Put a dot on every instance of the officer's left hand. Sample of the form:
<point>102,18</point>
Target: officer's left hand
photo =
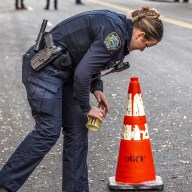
<point>101,99</point>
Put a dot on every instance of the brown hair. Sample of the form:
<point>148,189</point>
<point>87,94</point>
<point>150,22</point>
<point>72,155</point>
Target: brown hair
<point>148,21</point>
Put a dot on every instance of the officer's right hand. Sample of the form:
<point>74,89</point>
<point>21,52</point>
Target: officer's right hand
<point>97,112</point>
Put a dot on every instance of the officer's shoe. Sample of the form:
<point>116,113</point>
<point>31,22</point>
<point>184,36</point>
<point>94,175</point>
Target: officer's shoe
<point>3,190</point>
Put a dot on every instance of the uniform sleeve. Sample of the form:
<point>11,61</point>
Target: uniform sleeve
<point>106,45</point>
<point>97,83</point>
<point>93,61</point>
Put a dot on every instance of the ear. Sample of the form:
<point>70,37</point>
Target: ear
<point>141,34</point>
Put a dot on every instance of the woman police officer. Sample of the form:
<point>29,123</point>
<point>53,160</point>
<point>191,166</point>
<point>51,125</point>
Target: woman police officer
<point>96,40</point>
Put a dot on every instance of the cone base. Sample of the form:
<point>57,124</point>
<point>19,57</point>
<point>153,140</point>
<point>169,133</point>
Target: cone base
<point>151,185</point>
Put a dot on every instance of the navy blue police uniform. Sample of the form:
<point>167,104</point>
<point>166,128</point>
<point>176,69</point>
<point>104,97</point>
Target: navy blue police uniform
<point>96,40</point>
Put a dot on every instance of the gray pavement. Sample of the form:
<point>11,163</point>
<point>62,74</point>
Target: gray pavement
<point>165,74</point>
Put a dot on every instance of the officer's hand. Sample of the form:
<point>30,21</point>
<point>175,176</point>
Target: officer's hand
<point>97,112</point>
<point>101,99</point>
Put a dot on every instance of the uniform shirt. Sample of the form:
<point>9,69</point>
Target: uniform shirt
<point>96,40</point>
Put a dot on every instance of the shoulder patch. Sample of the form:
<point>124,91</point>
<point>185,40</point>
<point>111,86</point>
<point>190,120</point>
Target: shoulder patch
<point>113,41</point>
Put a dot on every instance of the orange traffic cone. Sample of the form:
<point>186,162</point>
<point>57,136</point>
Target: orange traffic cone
<point>135,166</point>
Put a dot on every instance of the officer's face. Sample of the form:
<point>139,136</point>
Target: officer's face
<point>138,41</point>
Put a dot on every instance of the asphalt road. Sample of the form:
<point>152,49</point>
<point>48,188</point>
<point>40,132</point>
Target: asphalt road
<point>165,75</point>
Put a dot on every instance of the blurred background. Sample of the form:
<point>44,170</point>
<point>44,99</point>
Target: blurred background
<point>165,75</point>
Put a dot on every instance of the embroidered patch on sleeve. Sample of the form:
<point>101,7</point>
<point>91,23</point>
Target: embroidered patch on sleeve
<point>112,41</point>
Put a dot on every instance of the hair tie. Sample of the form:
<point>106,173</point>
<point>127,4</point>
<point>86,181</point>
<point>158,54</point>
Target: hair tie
<point>145,12</point>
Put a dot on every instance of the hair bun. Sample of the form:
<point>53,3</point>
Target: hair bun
<point>145,12</point>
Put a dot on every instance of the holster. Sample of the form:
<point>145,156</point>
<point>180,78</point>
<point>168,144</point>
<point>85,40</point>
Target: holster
<point>56,55</point>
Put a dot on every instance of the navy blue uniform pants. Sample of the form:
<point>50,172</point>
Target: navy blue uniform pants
<point>50,96</point>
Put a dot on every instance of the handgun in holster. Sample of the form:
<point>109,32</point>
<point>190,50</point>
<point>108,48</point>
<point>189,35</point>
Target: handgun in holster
<point>58,55</point>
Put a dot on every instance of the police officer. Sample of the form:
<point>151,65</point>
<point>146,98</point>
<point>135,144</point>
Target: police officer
<point>96,40</point>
